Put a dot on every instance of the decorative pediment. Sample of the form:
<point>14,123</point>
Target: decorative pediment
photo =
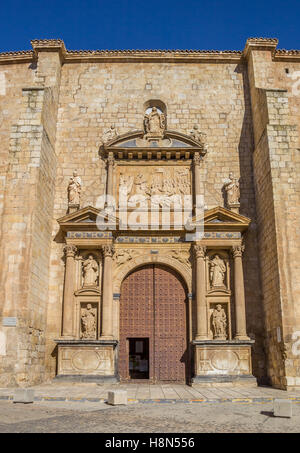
<point>86,219</point>
<point>173,145</point>
<point>222,219</point>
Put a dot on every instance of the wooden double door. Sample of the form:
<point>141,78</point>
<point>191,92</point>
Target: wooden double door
<point>153,326</point>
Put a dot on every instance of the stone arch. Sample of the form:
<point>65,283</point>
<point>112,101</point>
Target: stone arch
<point>184,271</point>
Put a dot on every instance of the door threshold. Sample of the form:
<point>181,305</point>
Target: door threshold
<point>150,382</point>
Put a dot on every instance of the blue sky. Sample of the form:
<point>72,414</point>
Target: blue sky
<point>151,24</point>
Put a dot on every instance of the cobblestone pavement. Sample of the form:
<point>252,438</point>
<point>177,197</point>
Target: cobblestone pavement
<point>152,393</point>
<point>71,417</point>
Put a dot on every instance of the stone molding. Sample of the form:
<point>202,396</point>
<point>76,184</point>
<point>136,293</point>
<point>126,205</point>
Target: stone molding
<point>167,55</point>
<point>49,45</point>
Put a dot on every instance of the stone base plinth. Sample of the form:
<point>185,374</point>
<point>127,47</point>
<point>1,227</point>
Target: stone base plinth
<point>86,360</point>
<point>117,397</point>
<point>73,208</point>
<point>222,363</point>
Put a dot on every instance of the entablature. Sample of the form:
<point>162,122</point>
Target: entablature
<point>171,146</point>
<point>217,227</point>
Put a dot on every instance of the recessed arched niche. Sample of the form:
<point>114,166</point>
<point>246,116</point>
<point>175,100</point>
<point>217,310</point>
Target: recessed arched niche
<point>158,104</point>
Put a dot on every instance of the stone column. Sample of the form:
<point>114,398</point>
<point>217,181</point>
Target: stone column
<point>116,320</point>
<point>201,293</point>
<point>68,307</point>
<point>107,294</point>
<point>239,293</point>
<point>110,174</point>
<point>197,178</point>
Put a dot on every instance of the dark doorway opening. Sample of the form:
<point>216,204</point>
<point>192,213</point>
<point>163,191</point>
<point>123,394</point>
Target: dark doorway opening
<point>138,358</point>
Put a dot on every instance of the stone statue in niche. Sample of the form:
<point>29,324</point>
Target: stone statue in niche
<point>217,271</point>
<point>154,124</point>
<point>74,189</point>
<point>197,135</point>
<point>88,322</point>
<point>232,189</point>
<point>109,134</point>
<point>90,271</point>
<point>219,322</point>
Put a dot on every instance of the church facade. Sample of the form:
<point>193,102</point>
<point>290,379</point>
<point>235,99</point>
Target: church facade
<point>150,212</point>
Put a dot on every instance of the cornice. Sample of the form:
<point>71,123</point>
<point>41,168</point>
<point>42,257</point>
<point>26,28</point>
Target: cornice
<point>152,55</point>
<point>22,56</point>
<point>269,44</point>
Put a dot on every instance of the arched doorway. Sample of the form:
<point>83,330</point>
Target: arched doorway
<point>153,326</point>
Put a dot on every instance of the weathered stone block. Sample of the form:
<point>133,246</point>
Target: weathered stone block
<point>282,408</point>
<point>23,396</point>
<point>117,397</point>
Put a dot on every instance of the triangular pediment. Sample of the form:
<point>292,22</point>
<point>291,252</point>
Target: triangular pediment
<point>86,218</point>
<point>222,219</point>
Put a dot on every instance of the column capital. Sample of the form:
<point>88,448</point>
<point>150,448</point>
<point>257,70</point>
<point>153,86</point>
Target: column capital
<point>108,250</point>
<point>200,251</point>
<point>70,250</point>
<point>197,159</point>
<point>237,250</point>
<point>110,160</point>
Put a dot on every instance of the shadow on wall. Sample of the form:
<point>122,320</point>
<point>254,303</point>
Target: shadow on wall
<point>253,292</point>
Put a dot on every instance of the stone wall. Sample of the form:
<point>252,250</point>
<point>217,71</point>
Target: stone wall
<point>276,165</point>
<point>26,231</point>
<point>216,97</point>
<point>55,126</point>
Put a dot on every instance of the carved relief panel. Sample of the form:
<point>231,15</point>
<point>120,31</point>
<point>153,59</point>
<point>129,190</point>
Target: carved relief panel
<point>85,360</point>
<point>160,182</point>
